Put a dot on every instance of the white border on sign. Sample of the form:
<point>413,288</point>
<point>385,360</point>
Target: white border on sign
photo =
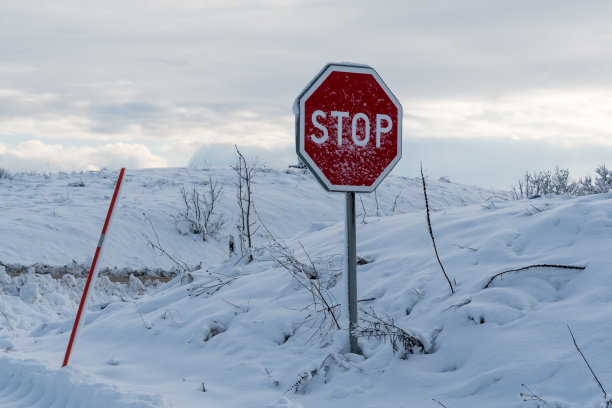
<point>358,69</point>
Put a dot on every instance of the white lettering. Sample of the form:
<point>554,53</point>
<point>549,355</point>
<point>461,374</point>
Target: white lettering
<point>384,124</point>
<point>366,136</point>
<point>340,115</point>
<point>379,129</point>
<point>316,124</point>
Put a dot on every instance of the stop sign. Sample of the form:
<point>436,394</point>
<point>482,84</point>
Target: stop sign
<point>348,128</point>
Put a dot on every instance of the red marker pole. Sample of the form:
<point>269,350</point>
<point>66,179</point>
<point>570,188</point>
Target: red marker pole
<point>93,272</point>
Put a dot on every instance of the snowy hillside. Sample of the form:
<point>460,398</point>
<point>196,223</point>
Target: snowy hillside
<point>57,219</point>
<point>237,334</point>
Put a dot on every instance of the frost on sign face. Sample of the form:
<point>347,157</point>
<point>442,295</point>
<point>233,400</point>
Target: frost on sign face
<point>350,128</point>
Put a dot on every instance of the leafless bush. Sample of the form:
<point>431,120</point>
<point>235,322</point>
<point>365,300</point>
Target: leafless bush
<point>558,181</point>
<point>325,309</point>
<point>245,172</point>
<point>384,328</point>
<point>199,213</point>
<point>603,179</point>
<point>4,173</point>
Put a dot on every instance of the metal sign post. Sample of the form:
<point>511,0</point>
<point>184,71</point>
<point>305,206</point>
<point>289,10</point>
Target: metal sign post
<point>350,253</point>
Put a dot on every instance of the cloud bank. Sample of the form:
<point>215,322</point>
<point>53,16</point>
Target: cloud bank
<point>168,78</point>
<point>35,155</point>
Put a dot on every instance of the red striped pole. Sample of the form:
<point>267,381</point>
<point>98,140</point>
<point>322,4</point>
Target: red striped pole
<point>93,272</point>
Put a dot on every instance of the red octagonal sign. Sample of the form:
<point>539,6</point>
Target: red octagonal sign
<point>348,128</point>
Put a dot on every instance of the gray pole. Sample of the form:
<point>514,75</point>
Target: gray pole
<point>350,252</point>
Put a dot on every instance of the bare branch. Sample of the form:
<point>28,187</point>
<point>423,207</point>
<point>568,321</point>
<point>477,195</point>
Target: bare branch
<point>180,264</point>
<point>431,232</point>
<point>376,199</point>
<point>363,219</point>
<point>530,395</point>
<point>530,267</point>
<point>439,403</point>
<point>608,402</point>
<point>310,278</point>
<point>394,207</point>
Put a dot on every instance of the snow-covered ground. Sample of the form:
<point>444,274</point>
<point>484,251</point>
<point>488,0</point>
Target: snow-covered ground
<point>237,334</point>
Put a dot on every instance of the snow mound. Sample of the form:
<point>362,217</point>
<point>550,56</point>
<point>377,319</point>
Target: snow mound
<point>29,384</point>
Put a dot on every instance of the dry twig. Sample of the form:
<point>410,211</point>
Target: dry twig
<point>607,401</point>
<point>158,246</point>
<point>318,283</point>
<point>431,231</point>
<point>530,267</point>
<point>402,342</point>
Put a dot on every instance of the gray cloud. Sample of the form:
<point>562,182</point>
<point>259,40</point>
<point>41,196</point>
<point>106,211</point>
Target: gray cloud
<point>177,75</point>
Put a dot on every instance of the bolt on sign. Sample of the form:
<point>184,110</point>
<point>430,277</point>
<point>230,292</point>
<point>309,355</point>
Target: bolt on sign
<point>348,128</point>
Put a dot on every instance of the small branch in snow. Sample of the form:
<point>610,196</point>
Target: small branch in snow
<point>530,395</point>
<point>169,313</point>
<point>533,266</point>
<point>305,377</point>
<point>376,200</point>
<point>180,264</point>
<point>146,324</point>
<point>384,328</point>
<point>394,206</point>
<point>275,381</point>
<point>419,294</point>
<point>439,403</point>
<point>530,212</point>
<point>363,219</point>
<point>468,248</point>
<point>3,313</point>
<point>458,305</point>
<point>318,282</point>
<point>607,401</point>
<point>213,285</point>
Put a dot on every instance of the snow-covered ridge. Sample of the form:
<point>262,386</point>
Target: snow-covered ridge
<point>56,219</point>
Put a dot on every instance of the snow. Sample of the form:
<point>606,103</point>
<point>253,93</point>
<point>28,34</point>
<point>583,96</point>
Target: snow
<point>237,334</point>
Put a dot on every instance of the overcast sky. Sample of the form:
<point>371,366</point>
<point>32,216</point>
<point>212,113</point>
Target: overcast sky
<point>490,89</point>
